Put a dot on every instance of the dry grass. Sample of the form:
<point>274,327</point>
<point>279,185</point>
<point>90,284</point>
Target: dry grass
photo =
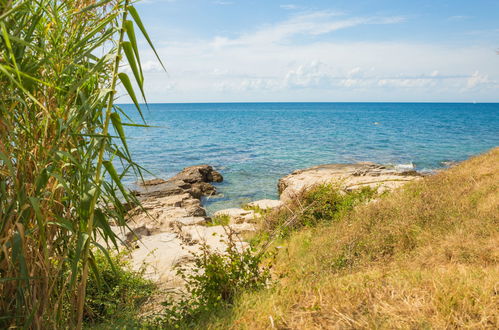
<point>425,256</point>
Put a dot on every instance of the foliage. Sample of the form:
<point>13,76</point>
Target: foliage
<point>117,293</point>
<point>328,203</point>
<point>423,256</point>
<point>320,204</point>
<point>59,71</point>
<point>213,282</point>
<point>219,220</point>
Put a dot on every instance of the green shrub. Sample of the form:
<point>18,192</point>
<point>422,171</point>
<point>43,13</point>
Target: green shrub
<point>322,203</point>
<point>327,202</point>
<point>117,292</point>
<point>213,283</point>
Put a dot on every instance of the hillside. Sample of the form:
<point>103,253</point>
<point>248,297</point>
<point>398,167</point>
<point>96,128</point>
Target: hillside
<point>423,256</point>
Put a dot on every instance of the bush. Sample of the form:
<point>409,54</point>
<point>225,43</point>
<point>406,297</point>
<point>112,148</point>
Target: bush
<point>213,283</point>
<point>327,202</point>
<point>117,292</point>
<point>322,203</point>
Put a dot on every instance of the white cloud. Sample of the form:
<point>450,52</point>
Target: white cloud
<point>311,24</point>
<point>266,64</point>
<point>477,79</point>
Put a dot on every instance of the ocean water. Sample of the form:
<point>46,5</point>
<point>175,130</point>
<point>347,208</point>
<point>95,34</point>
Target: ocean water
<point>254,144</point>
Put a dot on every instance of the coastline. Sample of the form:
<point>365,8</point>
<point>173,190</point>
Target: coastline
<point>172,223</point>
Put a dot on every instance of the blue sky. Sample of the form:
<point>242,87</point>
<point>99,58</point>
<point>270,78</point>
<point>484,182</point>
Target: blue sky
<point>378,50</point>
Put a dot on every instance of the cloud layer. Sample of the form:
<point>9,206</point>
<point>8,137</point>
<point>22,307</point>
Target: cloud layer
<point>298,59</point>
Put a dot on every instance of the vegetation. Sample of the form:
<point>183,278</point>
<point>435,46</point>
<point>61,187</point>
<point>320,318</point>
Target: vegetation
<point>59,70</point>
<point>424,256</point>
<point>117,292</point>
<point>219,220</point>
<point>212,284</point>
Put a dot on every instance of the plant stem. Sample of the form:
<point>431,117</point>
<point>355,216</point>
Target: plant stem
<point>98,177</point>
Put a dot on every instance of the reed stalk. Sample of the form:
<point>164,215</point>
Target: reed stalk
<point>60,135</point>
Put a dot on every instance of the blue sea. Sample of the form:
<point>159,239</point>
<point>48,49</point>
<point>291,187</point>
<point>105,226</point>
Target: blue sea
<point>254,144</point>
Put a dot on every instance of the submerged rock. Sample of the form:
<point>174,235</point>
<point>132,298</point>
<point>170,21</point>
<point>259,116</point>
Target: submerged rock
<point>346,176</point>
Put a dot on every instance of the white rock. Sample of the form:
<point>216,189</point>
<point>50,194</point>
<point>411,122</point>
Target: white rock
<point>238,215</point>
<point>346,176</point>
<point>266,204</point>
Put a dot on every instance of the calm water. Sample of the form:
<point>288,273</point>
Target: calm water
<point>254,144</point>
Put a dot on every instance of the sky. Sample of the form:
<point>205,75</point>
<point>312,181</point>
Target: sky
<point>321,51</point>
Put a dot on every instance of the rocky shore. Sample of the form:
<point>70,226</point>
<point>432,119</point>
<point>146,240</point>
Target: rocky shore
<point>172,223</point>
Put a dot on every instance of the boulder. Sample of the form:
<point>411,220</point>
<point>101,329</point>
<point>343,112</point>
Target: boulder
<point>194,180</point>
<point>266,204</point>
<point>346,176</point>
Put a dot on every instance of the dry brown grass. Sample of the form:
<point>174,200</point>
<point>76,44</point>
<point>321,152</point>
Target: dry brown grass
<point>425,256</point>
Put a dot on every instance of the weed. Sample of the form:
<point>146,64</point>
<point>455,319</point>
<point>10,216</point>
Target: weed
<point>213,282</point>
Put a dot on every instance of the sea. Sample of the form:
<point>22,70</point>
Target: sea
<point>255,144</point>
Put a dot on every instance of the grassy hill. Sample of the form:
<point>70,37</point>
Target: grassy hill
<point>424,256</point>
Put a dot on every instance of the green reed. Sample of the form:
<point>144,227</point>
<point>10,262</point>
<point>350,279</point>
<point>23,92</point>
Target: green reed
<point>60,66</point>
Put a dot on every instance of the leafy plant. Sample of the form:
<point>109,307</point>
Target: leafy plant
<point>60,134</point>
<point>327,202</point>
<point>213,282</point>
<point>117,292</point>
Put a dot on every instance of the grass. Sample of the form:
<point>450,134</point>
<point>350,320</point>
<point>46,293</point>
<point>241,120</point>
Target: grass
<point>424,256</point>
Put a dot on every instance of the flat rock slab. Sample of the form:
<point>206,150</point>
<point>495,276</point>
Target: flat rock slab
<point>266,204</point>
<point>346,176</point>
<point>238,215</point>
<point>158,254</point>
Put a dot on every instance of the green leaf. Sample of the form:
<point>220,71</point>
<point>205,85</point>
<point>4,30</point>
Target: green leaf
<point>116,120</point>
<point>130,56</point>
<point>138,21</point>
<point>133,41</point>
<point>125,80</point>
<point>114,176</point>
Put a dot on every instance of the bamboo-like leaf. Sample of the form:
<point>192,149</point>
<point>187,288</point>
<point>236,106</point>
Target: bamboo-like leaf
<point>133,41</point>
<point>114,176</point>
<point>138,21</point>
<point>130,56</point>
<point>116,120</point>
<point>6,39</point>
<point>125,80</point>
<point>104,225</point>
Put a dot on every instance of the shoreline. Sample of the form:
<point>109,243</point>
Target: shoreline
<point>174,224</point>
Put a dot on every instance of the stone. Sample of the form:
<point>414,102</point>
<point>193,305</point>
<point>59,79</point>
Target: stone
<point>190,221</point>
<point>194,180</point>
<point>238,215</point>
<point>346,176</point>
<point>266,204</point>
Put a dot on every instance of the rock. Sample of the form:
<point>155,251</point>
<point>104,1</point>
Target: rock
<point>137,233</point>
<point>190,221</point>
<point>194,180</point>
<point>346,176</point>
<point>167,228</point>
<point>199,173</point>
<point>158,254</point>
<point>266,204</point>
<point>152,182</point>
<point>238,215</point>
